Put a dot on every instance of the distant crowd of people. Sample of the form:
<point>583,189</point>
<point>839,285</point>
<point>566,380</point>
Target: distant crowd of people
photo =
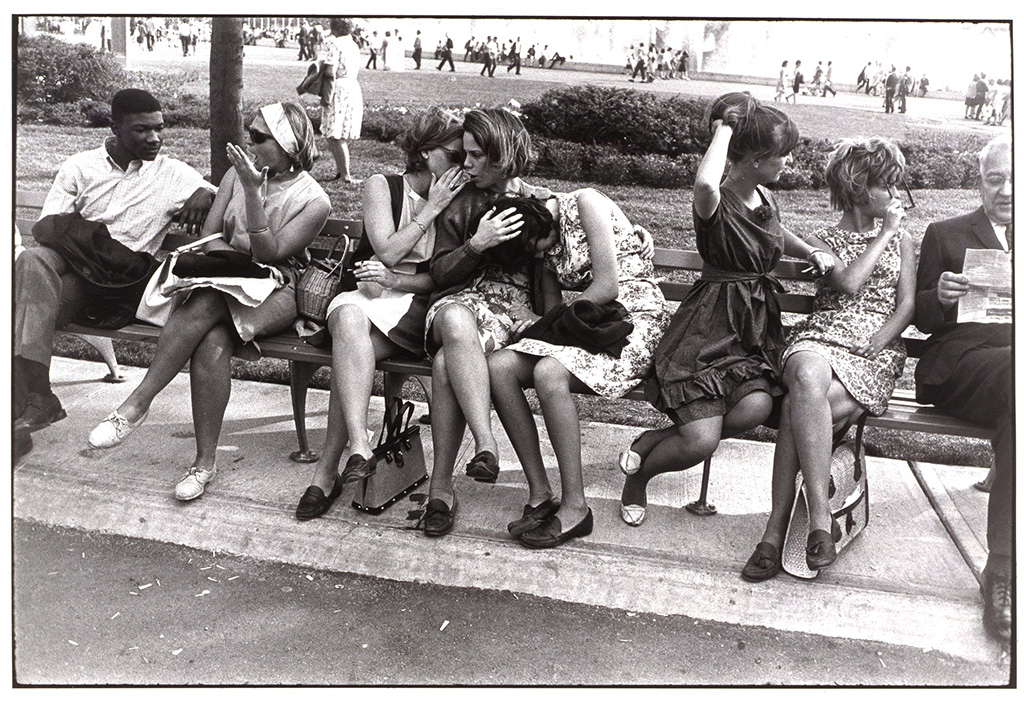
<point>988,99</point>
<point>651,62</point>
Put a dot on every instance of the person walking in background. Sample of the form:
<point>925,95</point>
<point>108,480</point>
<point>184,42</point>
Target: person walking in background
<point>542,59</point>
<point>966,369</point>
<point>864,78</point>
<point>343,113</point>
<point>684,68</point>
<point>891,81</point>
<point>904,89</point>
<point>970,96</point>
<point>815,85</point>
<point>878,80</point>
<point>798,80</point>
<point>446,53</point>
<point>513,56</point>
<point>374,45</point>
<point>470,46</point>
<point>305,52</point>
<point>922,86</point>
<point>717,369</point>
<point>826,86</point>
<point>184,35</point>
<point>488,58</point>
<point>783,85</point>
<point>639,64</point>
<point>846,356</point>
<point>383,53</point>
<point>980,97</point>
<point>417,50</point>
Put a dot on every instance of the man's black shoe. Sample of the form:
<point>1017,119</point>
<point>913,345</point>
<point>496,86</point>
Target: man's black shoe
<point>40,411</point>
<point>995,590</point>
<point>22,443</point>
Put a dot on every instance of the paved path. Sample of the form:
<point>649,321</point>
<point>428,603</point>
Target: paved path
<point>903,582</point>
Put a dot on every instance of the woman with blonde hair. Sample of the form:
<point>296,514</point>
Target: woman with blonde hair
<point>846,356</point>
<point>268,208</point>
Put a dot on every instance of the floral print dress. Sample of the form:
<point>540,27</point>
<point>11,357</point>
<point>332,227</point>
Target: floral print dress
<point>840,322</point>
<point>638,293</point>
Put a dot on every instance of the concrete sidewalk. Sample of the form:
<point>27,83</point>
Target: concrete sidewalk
<point>903,581</point>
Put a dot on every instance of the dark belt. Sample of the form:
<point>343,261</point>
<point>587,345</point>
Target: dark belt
<point>769,282</point>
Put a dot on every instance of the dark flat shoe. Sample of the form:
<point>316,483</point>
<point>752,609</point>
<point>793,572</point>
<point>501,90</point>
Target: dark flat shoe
<point>763,564</point>
<point>483,467</point>
<point>357,468</point>
<point>533,516</point>
<point>438,518</point>
<point>549,533</point>
<point>998,614</point>
<point>314,503</point>
<point>40,411</point>
<point>821,547</point>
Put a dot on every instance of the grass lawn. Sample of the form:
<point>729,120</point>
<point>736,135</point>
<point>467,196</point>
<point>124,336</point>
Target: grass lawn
<point>666,213</point>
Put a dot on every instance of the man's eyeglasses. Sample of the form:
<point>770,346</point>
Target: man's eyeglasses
<point>258,137</point>
<point>454,155</point>
<point>901,189</point>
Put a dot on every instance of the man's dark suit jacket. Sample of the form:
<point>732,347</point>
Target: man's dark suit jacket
<point>943,250</point>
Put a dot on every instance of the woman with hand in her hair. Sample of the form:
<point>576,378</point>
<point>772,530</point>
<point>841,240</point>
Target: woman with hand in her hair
<point>716,370</point>
<point>846,356</point>
<point>269,207</point>
<point>590,246</point>
<point>385,315</point>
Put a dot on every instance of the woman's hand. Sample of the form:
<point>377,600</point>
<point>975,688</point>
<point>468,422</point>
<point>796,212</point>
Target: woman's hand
<point>522,318</point>
<point>495,228</point>
<point>869,349</point>
<point>821,263</point>
<point>248,176</point>
<point>445,188</point>
<point>371,271</point>
<point>894,214</point>
<point>646,242</point>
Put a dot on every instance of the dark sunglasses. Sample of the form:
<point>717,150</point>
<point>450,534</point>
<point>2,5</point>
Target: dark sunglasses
<point>902,188</point>
<point>454,155</point>
<point>258,137</point>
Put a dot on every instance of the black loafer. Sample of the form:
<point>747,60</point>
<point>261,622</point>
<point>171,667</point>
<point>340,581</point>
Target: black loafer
<point>357,468</point>
<point>763,564</point>
<point>549,533</point>
<point>483,467</point>
<point>821,547</point>
<point>314,503</point>
<point>438,518</point>
<point>533,516</point>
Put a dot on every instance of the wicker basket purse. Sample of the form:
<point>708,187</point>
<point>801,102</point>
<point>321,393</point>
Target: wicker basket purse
<point>320,282</point>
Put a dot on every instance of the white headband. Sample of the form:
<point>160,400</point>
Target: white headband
<point>280,128</point>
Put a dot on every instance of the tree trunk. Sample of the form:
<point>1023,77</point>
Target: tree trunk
<point>225,92</point>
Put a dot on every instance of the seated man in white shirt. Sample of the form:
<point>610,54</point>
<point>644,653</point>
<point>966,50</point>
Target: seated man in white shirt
<point>124,185</point>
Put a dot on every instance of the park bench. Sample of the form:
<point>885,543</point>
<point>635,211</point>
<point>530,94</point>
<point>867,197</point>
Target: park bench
<point>904,413</point>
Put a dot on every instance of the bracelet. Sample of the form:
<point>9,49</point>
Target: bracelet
<point>261,230</point>
<point>423,227</point>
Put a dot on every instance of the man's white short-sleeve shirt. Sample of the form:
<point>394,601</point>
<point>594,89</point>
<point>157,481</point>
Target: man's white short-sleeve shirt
<point>136,204</point>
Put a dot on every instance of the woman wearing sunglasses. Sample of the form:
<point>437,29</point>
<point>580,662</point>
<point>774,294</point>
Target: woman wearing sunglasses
<point>385,314</point>
<point>269,207</point>
<point>846,356</point>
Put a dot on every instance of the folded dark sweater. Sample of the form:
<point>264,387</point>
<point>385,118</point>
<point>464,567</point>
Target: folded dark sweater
<point>590,326</point>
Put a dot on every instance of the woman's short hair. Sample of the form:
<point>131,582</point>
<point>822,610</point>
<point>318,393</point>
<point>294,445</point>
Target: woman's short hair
<point>304,137</point>
<point>537,223</point>
<point>341,26</point>
<point>855,164</point>
<point>503,138</point>
<point>758,130</point>
<point>432,128</point>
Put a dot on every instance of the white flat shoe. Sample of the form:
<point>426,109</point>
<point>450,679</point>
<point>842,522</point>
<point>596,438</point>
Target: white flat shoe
<point>633,515</point>
<point>113,430</point>
<point>629,462</point>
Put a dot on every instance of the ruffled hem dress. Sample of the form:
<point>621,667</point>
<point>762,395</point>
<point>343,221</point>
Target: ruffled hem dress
<point>638,292</point>
<point>726,338</point>
<point>839,322</point>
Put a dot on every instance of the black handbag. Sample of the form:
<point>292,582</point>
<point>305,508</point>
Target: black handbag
<point>398,460</point>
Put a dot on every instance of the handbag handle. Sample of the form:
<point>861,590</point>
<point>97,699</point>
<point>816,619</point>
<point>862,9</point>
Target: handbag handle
<point>344,252</point>
<point>393,414</point>
<point>199,242</point>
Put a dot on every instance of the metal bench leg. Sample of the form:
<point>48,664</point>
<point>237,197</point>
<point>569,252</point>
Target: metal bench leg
<point>301,374</point>
<point>393,383</point>
<point>701,506</point>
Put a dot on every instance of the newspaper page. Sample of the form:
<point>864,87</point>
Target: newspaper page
<point>990,298</point>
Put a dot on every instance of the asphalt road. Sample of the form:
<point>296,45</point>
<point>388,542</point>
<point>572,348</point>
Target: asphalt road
<point>94,609</point>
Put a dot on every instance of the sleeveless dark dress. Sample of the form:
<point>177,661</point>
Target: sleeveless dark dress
<point>725,340</point>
